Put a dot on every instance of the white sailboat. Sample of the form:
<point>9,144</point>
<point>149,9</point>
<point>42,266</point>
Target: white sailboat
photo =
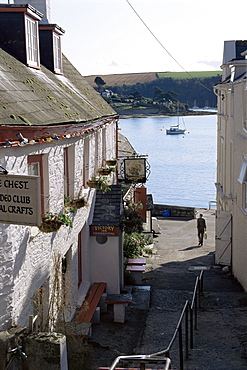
<point>175,129</point>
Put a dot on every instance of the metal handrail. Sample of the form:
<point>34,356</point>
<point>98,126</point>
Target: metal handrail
<point>142,360</point>
<point>155,358</point>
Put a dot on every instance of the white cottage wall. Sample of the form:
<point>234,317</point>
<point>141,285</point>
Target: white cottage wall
<point>105,263</point>
<point>26,254</point>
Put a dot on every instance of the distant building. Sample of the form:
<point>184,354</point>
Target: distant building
<point>107,93</point>
<point>231,216</point>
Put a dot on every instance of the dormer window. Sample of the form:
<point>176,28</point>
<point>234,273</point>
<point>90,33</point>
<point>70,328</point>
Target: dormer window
<point>19,32</point>
<point>57,53</point>
<point>50,47</point>
<point>32,42</point>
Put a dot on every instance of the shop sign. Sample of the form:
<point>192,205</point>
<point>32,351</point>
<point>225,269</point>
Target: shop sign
<point>135,170</point>
<point>20,199</point>
<point>104,230</point>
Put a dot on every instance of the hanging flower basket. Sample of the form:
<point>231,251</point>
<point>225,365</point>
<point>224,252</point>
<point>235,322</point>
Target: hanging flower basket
<point>95,184</point>
<point>50,226</point>
<point>104,171</point>
<point>52,222</point>
<point>111,162</point>
<point>99,183</point>
<point>77,203</point>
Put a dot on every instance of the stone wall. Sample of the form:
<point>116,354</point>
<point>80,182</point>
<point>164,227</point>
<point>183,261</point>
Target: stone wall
<point>169,211</point>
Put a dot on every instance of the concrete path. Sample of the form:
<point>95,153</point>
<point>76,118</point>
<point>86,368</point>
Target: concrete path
<point>221,339</point>
<point>220,343</point>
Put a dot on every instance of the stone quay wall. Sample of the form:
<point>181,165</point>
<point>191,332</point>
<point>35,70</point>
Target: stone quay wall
<point>163,210</point>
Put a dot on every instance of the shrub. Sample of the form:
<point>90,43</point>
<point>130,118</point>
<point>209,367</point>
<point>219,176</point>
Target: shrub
<point>131,220</point>
<point>134,244</point>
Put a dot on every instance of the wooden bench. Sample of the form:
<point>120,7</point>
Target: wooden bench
<point>90,303</point>
<point>137,261</point>
<point>138,268</point>
<point>119,302</point>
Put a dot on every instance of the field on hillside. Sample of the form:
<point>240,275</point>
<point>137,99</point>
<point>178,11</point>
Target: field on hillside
<point>183,75</point>
<point>134,78</point>
<point>123,79</point>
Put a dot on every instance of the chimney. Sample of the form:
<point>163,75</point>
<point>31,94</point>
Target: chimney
<point>44,6</point>
<point>233,55</point>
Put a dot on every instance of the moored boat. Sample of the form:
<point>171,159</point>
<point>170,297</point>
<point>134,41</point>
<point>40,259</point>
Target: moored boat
<point>175,130</point>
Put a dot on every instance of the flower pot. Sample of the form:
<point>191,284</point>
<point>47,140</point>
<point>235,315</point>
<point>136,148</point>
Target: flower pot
<point>104,171</point>
<point>111,162</point>
<point>77,203</point>
<point>94,184</point>
<point>50,226</point>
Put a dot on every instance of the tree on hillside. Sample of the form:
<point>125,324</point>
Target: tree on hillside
<point>99,82</point>
<point>160,95</point>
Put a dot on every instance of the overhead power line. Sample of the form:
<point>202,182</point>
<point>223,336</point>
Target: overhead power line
<point>163,47</point>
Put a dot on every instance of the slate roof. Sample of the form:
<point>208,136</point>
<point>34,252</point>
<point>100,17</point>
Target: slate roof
<point>35,97</point>
<point>108,207</point>
<point>125,148</point>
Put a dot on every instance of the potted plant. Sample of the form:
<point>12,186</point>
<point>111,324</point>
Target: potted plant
<point>105,171</point>
<point>51,222</point>
<point>111,162</point>
<point>98,182</point>
<point>75,203</point>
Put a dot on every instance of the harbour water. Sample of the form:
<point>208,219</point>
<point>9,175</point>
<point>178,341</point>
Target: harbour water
<point>183,167</point>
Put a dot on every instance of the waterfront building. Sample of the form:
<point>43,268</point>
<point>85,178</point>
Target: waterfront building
<point>231,216</point>
<point>59,130</point>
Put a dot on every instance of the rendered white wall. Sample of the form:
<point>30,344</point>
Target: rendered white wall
<point>26,254</point>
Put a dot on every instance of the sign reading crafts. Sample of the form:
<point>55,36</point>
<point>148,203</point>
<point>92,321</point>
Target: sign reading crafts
<point>19,200</point>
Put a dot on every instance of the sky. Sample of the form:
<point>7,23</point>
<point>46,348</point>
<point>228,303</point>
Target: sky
<point>107,37</point>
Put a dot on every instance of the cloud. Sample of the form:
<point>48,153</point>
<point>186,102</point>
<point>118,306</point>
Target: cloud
<point>114,64</point>
<point>213,63</point>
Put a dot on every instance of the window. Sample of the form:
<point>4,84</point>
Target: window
<point>37,166</point>
<point>245,194</point>
<point>66,172</point>
<point>243,181</point>
<point>69,172</point>
<point>32,42</point>
<point>79,260</point>
<point>57,53</point>
<point>85,161</point>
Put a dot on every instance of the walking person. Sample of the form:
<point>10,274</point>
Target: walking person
<point>201,227</point>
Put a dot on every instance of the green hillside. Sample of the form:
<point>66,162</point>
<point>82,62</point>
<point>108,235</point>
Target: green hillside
<point>186,75</point>
<point>191,88</point>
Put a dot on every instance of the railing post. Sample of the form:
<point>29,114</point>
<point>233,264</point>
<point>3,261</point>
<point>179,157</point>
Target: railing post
<point>180,332</point>
<point>196,298</point>
<point>187,331</point>
<point>191,329</point>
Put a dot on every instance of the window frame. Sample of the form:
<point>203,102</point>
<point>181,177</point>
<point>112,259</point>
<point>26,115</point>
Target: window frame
<point>32,42</point>
<point>57,53</point>
<point>79,268</point>
<point>243,181</point>
<point>245,195</point>
<point>69,170</point>
<point>41,159</point>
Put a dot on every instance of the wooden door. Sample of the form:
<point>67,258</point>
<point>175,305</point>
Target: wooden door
<point>223,238</point>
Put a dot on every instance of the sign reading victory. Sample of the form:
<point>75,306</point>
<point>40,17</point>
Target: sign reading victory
<point>20,200</point>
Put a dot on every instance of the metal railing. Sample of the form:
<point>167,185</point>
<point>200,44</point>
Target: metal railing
<point>163,357</point>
